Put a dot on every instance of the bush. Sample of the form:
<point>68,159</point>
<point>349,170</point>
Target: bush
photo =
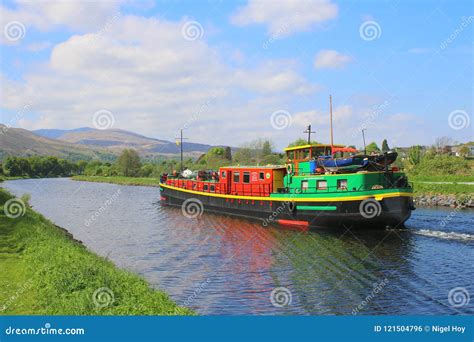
<point>437,165</point>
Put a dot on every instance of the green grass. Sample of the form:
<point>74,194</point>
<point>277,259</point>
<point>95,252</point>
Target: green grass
<point>443,189</point>
<point>13,178</point>
<point>120,180</point>
<point>445,178</point>
<point>45,272</point>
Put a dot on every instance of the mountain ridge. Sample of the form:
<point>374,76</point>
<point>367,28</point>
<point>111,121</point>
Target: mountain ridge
<point>89,142</point>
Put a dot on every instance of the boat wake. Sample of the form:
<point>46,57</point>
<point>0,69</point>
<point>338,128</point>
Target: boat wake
<point>444,235</point>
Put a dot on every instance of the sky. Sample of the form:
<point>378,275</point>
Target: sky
<point>228,72</point>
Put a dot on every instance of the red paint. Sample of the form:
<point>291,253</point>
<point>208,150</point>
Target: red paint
<point>294,223</point>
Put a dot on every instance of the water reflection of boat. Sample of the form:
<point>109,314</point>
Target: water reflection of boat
<point>332,273</point>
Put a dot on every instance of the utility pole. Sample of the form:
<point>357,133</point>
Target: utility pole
<point>308,130</point>
<point>181,148</point>
<point>330,111</point>
<point>363,137</point>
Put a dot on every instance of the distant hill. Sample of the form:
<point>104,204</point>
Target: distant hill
<point>56,133</point>
<point>21,142</point>
<point>115,140</point>
<point>87,143</point>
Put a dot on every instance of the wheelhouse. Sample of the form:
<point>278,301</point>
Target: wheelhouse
<point>308,152</point>
<point>302,158</point>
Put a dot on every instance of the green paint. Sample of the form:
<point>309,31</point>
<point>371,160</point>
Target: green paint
<point>315,207</point>
<point>363,183</point>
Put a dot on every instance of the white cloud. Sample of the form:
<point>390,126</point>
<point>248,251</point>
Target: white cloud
<point>285,17</point>
<point>331,59</point>
<point>274,78</point>
<point>76,15</point>
<point>154,82</point>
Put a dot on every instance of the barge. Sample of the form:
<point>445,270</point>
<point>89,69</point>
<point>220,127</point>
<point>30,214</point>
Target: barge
<point>305,192</point>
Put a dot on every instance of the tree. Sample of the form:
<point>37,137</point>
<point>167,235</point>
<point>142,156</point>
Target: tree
<point>385,147</point>
<point>266,148</point>
<point>228,153</point>
<point>442,144</point>
<point>243,155</point>
<point>129,163</point>
<point>81,166</point>
<point>146,170</point>
<point>414,155</point>
<point>12,167</point>
<point>372,147</point>
<point>464,151</point>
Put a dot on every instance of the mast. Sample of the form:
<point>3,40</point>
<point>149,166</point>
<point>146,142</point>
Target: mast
<point>181,151</point>
<point>180,143</point>
<point>330,111</point>
<point>363,137</point>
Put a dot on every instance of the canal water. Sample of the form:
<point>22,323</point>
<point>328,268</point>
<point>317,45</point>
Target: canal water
<point>220,265</point>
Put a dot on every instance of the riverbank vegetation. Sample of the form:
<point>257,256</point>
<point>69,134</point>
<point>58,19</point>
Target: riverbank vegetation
<point>145,181</point>
<point>422,164</point>
<point>39,167</point>
<point>45,272</point>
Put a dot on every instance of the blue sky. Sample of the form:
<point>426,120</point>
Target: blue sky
<point>243,70</point>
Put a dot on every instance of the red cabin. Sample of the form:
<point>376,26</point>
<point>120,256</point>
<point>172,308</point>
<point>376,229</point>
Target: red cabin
<point>237,180</point>
<point>251,180</point>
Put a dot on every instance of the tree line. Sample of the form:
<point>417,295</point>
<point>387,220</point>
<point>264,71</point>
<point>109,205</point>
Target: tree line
<point>258,152</point>
<point>39,167</point>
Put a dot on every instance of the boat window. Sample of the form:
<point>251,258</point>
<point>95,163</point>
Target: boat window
<point>213,188</point>
<point>304,185</point>
<point>246,177</point>
<point>236,177</point>
<point>322,185</point>
<point>262,176</point>
<point>305,154</point>
<point>342,184</point>
<point>224,174</point>
<point>206,187</point>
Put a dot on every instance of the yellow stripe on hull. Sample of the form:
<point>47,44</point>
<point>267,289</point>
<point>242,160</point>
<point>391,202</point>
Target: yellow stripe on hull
<point>281,199</point>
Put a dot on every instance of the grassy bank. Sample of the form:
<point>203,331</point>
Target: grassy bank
<point>443,189</point>
<point>44,271</point>
<point>446,178</point>
<point>119,180</point>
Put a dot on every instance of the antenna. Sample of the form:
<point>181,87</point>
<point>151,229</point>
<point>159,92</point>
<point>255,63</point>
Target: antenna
<point>363,137</point>
<point>180,143</point>
<point>308,130</point>
<point>330,111</point>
